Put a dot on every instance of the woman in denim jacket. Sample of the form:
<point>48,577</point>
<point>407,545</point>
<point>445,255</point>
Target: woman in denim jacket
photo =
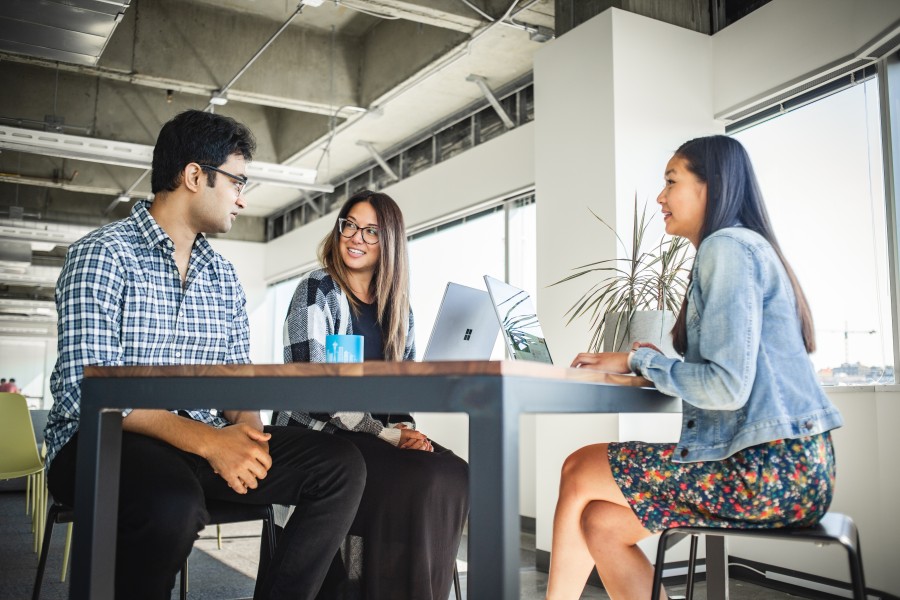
<point>755,449</point>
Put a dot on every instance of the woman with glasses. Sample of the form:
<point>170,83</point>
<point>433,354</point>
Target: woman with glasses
<point>403,542</point>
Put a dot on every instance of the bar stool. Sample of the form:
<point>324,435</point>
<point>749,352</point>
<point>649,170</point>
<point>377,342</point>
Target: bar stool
<point>220,512</point>
<point>834,528</point>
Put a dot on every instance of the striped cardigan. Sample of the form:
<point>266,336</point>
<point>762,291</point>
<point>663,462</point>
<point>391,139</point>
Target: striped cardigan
<point>320,308</point>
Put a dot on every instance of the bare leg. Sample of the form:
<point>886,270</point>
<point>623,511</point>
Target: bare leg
<point>593,524</point>
<point>612,532</point>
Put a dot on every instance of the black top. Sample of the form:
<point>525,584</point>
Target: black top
<point>366,324</point>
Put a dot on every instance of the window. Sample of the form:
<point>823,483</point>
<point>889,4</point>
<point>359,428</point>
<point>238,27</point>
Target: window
<point>358,183</point>
<point>380,178</point>
<point>418,158</point>
<point>820,169</point>
<point>490,123</point>
<point>446,254</point>
<point>280,295</point>
<point>455,139</point>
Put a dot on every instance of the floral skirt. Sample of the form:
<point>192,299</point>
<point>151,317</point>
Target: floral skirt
<point>776,484</point>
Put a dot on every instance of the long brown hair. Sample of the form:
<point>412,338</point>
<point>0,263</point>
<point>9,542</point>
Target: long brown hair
<point>390,281</point>
<point>733,197</point>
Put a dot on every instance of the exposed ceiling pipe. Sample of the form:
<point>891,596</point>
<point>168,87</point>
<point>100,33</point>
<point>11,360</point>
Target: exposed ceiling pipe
<point>220,96</point>
<point>449,59</point>
<point>183,87</point>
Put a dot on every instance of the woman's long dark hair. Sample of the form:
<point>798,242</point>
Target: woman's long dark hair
<point>733,197</point>
<point>390,282</point>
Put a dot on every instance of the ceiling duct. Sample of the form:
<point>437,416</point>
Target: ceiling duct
<point>70,31</point>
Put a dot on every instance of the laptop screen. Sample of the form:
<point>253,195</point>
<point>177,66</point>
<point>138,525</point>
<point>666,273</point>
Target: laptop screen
<point>466,326</point>
<point>518,321</point>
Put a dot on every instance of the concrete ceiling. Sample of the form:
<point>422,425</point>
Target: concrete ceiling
<point>102,77</point>
<point>89,83</point>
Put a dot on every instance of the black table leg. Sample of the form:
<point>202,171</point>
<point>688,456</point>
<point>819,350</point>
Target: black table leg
<point>96,505</point>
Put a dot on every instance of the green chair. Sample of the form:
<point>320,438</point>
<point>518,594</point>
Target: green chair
<point>19,455</point>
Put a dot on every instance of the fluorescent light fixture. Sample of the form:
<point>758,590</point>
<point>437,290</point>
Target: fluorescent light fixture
<point>139,156</point>
<point>218,99</point>
<point>313,3</point>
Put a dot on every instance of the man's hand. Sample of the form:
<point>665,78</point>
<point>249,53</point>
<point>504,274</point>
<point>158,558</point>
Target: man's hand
<point>249,417</point>
<point>240,455</point>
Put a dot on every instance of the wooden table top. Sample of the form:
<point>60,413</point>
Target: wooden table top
<point>374,369</point>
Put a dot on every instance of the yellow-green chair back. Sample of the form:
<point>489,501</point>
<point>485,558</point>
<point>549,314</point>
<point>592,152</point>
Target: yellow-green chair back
<point>18,450</point>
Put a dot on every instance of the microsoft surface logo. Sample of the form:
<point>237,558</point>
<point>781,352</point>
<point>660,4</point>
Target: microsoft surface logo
<point>468,335</point>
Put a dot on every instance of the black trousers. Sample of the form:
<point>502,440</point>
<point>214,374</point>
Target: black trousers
<point>162,508</point>
<point>403,542</point>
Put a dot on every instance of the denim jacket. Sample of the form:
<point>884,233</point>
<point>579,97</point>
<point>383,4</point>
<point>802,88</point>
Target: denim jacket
<point>746,378</point>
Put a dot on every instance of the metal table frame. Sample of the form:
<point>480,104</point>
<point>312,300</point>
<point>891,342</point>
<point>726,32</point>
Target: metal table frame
<point>492,394</point>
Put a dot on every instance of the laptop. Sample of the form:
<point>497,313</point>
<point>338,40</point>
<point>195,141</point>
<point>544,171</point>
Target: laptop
<point>518,320</point>
<point>465,328</point>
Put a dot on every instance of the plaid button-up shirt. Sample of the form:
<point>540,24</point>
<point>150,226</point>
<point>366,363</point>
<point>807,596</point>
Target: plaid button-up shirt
<point>121,302</point>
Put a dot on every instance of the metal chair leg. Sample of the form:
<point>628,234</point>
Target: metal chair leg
<point>184,580</point>
<point>42,561</point>
<point>67,551</point>
<point>692,569</point>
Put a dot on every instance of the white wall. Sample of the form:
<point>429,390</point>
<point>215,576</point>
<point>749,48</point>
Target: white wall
<point>249,262</point>
<point>787,42</point>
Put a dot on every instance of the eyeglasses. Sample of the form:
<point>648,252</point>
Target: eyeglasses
<point>239,180</point>
<point>348,229</point>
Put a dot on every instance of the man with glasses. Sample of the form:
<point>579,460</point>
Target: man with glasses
<point>150,290</point>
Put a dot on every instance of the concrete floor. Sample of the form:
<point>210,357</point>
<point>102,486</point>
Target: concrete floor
<point>229,573</point>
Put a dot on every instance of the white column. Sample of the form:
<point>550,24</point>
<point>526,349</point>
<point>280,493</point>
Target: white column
<point>613,98</point>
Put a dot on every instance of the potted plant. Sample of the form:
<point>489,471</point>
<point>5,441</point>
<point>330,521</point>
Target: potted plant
<point>638,295</point>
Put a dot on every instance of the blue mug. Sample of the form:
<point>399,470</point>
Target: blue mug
<point>343,348</point>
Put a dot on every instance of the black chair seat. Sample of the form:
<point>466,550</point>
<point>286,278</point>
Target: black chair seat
<point>220,513</point>
<point>834,528</point>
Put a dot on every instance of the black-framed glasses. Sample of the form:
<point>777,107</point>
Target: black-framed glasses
<point>239,181</point>
<point>348,229</point>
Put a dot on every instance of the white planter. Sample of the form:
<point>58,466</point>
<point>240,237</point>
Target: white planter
<point>654,326</point>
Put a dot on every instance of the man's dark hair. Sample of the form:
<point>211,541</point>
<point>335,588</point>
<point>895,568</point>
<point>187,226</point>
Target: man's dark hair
<point>200,137</point>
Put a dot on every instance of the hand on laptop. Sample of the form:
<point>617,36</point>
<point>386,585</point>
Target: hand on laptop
<point>609,362</point>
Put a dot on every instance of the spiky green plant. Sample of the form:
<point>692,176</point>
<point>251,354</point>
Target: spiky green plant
<point>641,280</point>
